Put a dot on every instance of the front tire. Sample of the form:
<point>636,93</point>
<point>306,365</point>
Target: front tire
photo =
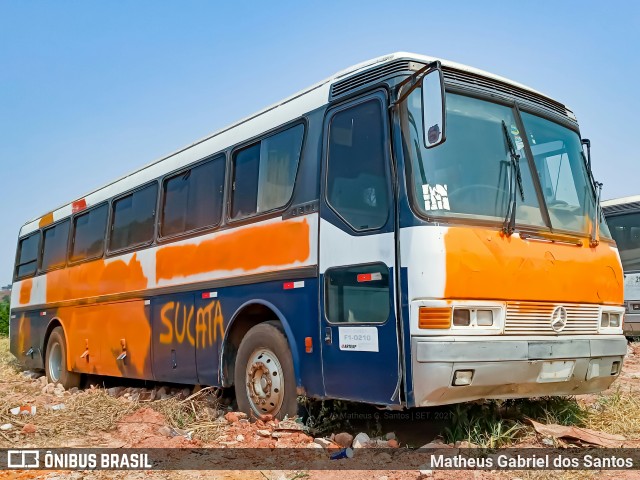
<point>263,376</point>
<point>55,364</point>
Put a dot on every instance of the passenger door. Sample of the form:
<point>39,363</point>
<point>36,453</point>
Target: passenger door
<point>359,336</point>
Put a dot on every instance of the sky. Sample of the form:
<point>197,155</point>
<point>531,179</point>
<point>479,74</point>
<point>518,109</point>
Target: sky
<point>90,91</point>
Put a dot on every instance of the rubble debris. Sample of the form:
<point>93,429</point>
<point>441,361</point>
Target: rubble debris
<point>390,436</point>
<point>24,410</point>
<point>6,426</point>
<point>585,435</point>
<point>29,428</point>
<point>343,439</point>
<point>361,440</point>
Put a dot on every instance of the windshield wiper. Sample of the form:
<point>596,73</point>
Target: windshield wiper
<point>509,225</point>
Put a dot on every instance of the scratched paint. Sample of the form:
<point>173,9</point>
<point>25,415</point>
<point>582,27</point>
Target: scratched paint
<point>486,264</point>
<point>179,327</point>
<point>274,244</point>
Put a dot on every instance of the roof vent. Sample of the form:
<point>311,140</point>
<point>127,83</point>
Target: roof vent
<point>369,76</point>
<point>466,78</point>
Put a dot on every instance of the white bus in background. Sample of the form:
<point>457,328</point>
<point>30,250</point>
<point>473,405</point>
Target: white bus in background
<point>623,217</point>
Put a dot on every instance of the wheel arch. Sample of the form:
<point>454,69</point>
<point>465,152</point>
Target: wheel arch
<point>249,314</point>
<point>53,323</point>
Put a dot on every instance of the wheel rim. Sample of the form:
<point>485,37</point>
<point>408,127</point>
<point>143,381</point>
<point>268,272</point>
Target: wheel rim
<point>264,382</point>
<point>55,362</point>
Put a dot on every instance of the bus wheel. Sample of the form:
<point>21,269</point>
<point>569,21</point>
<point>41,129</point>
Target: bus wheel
<point>264,379</point>
<point>55,363</point>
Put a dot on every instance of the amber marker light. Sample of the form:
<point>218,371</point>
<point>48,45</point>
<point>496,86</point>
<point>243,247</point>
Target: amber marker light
<point>308,346</point>
<point>439,317</point>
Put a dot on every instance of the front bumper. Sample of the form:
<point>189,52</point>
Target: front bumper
<point>510,367</point>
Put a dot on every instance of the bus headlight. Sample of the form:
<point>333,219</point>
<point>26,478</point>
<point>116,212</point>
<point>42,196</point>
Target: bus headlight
<point>484,318</point>
<point>461,317</point>
<point>611,321</point>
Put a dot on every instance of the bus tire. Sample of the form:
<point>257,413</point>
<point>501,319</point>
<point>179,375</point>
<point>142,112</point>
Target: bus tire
<point>55,364</point>
<point>264,377</point>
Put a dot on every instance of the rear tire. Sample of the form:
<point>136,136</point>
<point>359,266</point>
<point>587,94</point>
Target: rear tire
<point>55,365</point>
<point>263,376</point>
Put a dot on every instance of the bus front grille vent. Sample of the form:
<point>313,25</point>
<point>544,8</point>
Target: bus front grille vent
<point>534,318</point>
<point>467,78</point>
<point>369,77</point>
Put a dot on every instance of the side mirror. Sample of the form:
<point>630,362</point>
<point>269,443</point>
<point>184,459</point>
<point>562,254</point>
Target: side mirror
<point>433,108</point>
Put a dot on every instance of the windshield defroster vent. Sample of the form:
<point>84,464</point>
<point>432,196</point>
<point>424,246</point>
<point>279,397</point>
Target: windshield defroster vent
<point>369,76</point>
<point>466,78</point>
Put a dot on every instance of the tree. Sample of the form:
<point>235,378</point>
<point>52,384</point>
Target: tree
<point>4,317</point>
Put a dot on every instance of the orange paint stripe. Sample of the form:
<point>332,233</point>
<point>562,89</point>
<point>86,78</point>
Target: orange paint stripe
<point>25,291</point>
<point>95,278</point>
<point>46,220</point>
<point>486,264</point>
<point>276,244</point>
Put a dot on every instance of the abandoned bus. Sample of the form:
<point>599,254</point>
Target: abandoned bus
<point>623,218</point>
<point>408,232</point>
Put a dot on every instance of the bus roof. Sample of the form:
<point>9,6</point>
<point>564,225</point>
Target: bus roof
<point>266,119</point>
<point>621,201</point>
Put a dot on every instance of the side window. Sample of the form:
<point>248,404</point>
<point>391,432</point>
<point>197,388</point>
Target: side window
<point>133,218</point>
<point>357,294</point>
<point>28,248</point>
<point>264,173</point>
<point>193,199</point>
<point>88,234</point>
<point>54,247</point>
<point>357,186</point>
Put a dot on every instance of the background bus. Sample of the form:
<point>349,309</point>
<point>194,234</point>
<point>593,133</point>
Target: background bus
<point>405,233</point>
<point>623,218</point>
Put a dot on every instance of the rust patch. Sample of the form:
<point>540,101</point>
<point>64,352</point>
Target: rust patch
<point>485,264</point>
<point>250,248</point>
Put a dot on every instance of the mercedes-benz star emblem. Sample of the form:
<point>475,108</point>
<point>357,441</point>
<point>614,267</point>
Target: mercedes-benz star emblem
<point>559,319</point>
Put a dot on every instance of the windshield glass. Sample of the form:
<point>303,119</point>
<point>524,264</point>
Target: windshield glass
<point>469,174</point>
<point>567,190</point>
<point>626,232</point>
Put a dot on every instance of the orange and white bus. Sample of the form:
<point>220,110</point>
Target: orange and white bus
<point>408,232</point>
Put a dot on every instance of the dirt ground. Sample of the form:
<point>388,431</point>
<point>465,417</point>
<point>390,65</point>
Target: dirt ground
<point>119,414</point>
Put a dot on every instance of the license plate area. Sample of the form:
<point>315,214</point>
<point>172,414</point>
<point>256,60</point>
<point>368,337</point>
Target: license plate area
<point>557,371</point>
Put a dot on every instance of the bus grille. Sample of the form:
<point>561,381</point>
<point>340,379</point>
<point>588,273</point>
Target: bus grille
<point>526,318</point>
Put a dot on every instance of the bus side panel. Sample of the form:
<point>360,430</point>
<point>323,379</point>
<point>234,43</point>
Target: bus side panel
<point>96,335</point>
<point>27,335</point>
<point>298,308</point>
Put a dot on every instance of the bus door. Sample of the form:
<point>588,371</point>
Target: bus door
<point>174,338</point>
<point>358,326</point>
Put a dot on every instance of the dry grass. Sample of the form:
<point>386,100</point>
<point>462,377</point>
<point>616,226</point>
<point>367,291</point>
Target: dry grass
<point>197,414</point>
<point>617,413</point>
<point>91,411</point>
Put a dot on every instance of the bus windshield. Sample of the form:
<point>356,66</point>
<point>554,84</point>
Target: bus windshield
<point>469,175</point>
<point>625,230</point>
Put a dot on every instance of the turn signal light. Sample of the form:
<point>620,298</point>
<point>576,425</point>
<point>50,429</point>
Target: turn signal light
<point>434,317</point>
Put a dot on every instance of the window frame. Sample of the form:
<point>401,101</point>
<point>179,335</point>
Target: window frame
<point>325,300</point>
<point>381,97</point>
<point>42,270</point>
<point>16,265</point>
<point>162,195</point>
<point>230,173</point>
<point>138,246</point>
<point>72,235</point>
